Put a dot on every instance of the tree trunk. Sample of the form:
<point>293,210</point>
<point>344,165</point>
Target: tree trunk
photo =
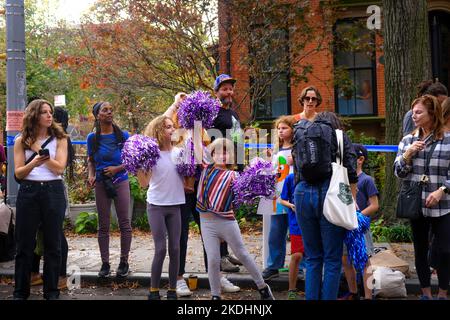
<point>407,63</point>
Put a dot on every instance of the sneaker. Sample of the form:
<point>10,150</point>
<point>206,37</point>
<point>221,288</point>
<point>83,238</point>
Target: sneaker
<point>153,295</point>
<point>269,273</point>
<point>292,295</point>
<point>123,269</point>
<point>172,295</point>
<point>266,293</point>
<point>227,266</point>
<point>423,297</point>
<point>182,289</point>
<point>301,275</point>
<point>36,279</point>
<point>216,298</point>
<point>234,260</point>
<point>105,270</point>
<point>350,296</point>
<point>227,286</point>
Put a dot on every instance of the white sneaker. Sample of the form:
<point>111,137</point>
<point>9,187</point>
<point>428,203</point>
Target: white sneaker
<point>182,289</point>
<point>227,286</point>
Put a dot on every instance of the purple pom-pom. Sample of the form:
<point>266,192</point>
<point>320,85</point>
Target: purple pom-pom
<point>356,243</point>
<point>185,161</point>
<point>198,106</point>
<point>140,153</point>
<point>258,180</point>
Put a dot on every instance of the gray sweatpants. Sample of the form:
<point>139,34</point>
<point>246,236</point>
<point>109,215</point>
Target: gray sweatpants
<point>165,220</point>
<point>215,229</point>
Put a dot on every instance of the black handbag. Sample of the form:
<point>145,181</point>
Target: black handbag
<point>409,201</point>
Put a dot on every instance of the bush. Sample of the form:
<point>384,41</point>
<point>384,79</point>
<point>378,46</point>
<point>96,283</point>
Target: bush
<point>138,193</point>
<point>141,223</point>
<point>86,222</point>
<point>397,232</point>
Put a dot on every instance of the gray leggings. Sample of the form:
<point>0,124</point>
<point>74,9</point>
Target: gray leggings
<point>165,220</point>
<point>215,229</point>
<point>122,203</point>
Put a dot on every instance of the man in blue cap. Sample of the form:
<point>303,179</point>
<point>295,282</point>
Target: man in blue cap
<point>227,119</point>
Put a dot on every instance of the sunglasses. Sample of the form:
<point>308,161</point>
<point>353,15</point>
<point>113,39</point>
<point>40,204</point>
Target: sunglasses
<point>313,99</point>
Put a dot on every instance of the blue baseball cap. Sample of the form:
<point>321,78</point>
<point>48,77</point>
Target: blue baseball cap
<point>361,151</point>
<point>222,79</point>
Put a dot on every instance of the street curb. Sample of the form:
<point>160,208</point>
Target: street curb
<point>244,281</point>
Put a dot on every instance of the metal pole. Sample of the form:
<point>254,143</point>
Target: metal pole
<point>16,94</point>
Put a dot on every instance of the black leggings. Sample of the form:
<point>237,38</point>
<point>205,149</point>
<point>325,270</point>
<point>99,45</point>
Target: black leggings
<point>440,227</point>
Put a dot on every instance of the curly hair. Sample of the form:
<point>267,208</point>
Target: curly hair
<point>30,123</point>
<point>155,128</point>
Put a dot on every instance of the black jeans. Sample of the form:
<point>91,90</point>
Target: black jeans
<point>440,227</point>
<point>39,204</point>
<point>64,253</point>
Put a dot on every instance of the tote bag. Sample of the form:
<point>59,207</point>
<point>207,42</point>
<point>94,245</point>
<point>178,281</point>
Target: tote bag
<point>339,207</point>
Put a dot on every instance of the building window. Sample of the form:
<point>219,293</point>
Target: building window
<point>354,63</point>
<point>271,91</point>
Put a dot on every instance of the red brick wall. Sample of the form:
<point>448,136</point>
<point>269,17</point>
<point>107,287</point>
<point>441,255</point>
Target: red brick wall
<point>321,76</point>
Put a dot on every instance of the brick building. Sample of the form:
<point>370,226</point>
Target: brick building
<point>365,107</point>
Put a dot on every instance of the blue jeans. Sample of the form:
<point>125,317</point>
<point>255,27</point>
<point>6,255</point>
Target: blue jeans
<point>279,225</point>
<point>323,242</point>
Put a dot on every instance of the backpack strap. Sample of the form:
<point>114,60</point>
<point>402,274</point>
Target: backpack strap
<point>340,143</point>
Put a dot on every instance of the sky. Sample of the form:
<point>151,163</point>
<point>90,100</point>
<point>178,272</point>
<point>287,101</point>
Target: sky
<point>71,10</point>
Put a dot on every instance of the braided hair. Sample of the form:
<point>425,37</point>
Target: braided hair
<point>116,129</point>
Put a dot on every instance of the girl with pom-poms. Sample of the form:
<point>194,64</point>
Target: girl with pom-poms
<point>214,203</point>
<point>165,195</point>
<point>108,175</point>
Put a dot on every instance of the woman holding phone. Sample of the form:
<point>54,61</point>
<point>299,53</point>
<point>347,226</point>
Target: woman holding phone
<point>40,156</point>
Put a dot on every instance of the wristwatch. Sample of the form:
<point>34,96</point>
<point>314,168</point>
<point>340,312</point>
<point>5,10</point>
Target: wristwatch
<point>445,189</point>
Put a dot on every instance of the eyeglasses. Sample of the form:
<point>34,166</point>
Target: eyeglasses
<point>313,99</point>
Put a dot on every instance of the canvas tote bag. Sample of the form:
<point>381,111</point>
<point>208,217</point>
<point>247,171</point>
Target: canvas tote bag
<point>339,207</point>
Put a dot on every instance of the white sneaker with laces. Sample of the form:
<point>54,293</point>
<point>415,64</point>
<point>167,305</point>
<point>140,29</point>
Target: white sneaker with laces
<point>182,289</point>
<point>227,286</point>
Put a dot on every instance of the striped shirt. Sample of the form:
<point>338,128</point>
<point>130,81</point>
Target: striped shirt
<point>214,192</point>
<point>438,171</point>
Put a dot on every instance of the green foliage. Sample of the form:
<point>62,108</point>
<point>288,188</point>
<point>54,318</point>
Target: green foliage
<point>141,223</point>
<point>86,222</point>
<point>78,189</point>
<point>246,212</point>
<point>375,166</point>
<point>194,226</point>
<point>138,193</point>
<point>397,232</point>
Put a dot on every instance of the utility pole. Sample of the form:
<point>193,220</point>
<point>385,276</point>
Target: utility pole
<point>16,93</point>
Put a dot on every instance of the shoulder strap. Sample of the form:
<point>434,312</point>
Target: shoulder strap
<point>42,147</point>
<point>340,143</point>
<point>429,155</point>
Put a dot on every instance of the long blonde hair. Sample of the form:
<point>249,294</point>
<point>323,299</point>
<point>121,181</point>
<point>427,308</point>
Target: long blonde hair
<point>155,129</point>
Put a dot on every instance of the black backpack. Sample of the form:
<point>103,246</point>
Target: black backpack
<point>312,150</point>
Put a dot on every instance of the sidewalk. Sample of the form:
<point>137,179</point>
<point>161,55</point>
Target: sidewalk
<point>84,256</point>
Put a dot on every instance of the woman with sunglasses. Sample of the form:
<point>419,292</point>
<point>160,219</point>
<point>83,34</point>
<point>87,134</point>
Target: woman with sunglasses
<point>310,99</point>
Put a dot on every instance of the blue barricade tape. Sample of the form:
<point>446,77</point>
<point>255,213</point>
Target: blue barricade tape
<point>370,148</point>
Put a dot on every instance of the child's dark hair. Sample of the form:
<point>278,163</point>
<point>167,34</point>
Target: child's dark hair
<point>61,116</point>
<point>434,88</point>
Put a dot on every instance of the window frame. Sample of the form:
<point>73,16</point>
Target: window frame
<point>373,68</point>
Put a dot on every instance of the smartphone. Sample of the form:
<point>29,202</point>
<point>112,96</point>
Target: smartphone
<point>44,152</point>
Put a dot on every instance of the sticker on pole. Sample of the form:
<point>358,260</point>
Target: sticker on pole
<point>60,101</point>
<point>14,120</point>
